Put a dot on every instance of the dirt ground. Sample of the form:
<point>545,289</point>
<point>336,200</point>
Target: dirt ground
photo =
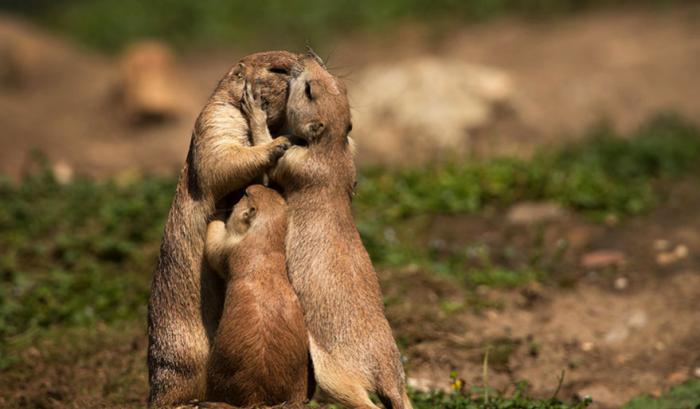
<point>616,331</point>
<point>569,73</point>
<point>620,331</point>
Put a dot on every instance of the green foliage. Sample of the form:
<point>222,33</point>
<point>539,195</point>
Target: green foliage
<point>76,254</point>
<point>685,396</point>
<point>605,175</point>
<point>111,24</point>
<point>478,400</point>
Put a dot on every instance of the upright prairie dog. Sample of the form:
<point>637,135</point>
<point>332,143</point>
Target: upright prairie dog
<point>351,344</point>
<point>260,352</point>
<point>187,296</point>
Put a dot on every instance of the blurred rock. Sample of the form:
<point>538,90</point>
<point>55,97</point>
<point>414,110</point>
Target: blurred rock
<point>681,251</point>
<point>661,245</point>
<point>696,372</point>
<point>638,319</point>
<point>150,87</point>
<point>621,283</point>
<point>534,212</point>
<point>420,384</point>
<point>617,334</point>
<point>678,376</point>
<point>63,172</point>
<point>424,107</point>
<point>669,257</point>
<point>600,259</point>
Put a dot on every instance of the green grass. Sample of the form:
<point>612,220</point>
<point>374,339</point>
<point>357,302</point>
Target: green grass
<point>441,400</point>
<point>685,396</point>
<point>76,254</point>
<point>110,24</point>
<point>604,176</point>
<point>82,253</point>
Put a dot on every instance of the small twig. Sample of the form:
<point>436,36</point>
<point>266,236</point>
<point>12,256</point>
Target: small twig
<point>561,381</point>
<point>485,375</point>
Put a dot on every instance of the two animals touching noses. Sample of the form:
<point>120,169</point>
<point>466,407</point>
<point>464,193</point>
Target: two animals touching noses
<point>262,293</point>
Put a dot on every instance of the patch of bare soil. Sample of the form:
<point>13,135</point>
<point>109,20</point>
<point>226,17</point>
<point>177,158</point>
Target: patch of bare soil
<point>102,367</point>
<point>566,74</point>
<point>618,330</point>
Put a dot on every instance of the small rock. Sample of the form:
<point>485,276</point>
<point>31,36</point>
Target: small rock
<point>666,258</point>
<point>637,320</point>
<point>63,172</point>
<point>601,259</point>
<point>696,372</point>
<point>617,334</point>
<point>492,315</point>
<point>661,245</point>
<point>587,346</point>
<point>678,376</point>
<point>681,251</point>
<point>534,212</point>
<point>621,283</point>
<point>420,384</point>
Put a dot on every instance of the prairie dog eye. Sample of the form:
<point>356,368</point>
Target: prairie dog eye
<point>278,70</point>
<point>307,90</point>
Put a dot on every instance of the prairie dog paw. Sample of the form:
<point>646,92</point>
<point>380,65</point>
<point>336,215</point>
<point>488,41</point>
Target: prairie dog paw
<point>252,105</point>
<point>278,147</point>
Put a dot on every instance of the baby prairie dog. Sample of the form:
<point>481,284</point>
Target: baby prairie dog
<point>186,295</point>
<point>260,352</point>
<point>351,344</point>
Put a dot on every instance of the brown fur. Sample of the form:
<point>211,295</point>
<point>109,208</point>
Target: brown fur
<point>352,347</point>
<point>260,353</point>
<point>186,295</point>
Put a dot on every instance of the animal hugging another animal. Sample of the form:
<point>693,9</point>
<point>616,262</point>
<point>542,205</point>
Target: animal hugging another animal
<point>238,308</point>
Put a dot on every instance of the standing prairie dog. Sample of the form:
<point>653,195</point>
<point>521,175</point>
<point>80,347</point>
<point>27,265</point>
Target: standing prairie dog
<point>186,295</point>
<point>260,352</point>
<point>351,344</point>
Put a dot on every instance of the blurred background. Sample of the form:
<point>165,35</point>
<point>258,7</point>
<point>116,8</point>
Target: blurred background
<point>528,189</point>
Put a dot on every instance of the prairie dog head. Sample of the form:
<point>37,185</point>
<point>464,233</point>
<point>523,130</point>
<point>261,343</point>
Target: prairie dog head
<point>271,72</point>
<point>262,210</point>
<point>318,119</point>
<point>317,107</point>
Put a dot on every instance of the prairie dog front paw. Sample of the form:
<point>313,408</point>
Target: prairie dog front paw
<point>252,108</point>
<point>278,147</point>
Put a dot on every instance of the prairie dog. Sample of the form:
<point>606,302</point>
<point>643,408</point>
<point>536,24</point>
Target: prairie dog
<point>351,344</point>
<point>186,295</point>
<point>260,352</point>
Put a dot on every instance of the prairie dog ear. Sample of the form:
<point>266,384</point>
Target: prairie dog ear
<point>249,214</point>
<point>311,53</point>
<point>238,71</point>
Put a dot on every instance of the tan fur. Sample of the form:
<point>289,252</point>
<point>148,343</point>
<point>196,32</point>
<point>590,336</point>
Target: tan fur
<point>260,353</point>
<point>186,295</point>
<point>352,347</point>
